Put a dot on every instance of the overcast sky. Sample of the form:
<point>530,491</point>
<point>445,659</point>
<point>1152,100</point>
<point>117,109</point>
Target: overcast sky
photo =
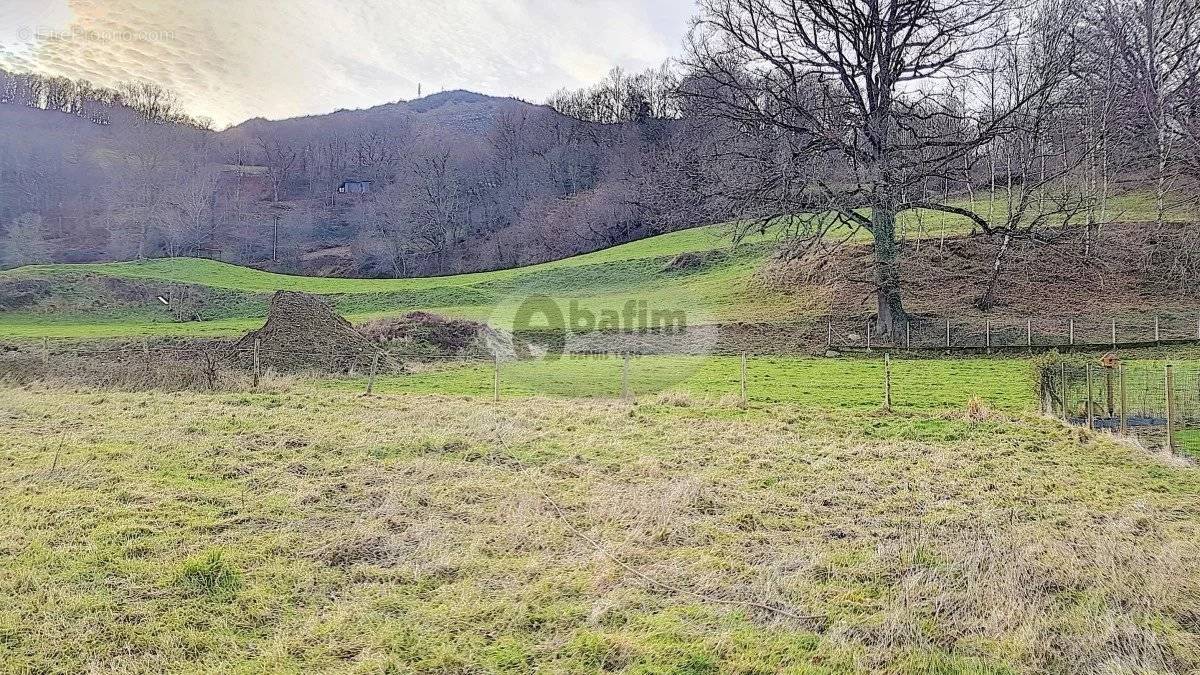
<point>236,59</point>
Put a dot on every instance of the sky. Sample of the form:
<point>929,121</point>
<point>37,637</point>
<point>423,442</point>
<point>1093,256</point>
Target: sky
<point>231,60</point>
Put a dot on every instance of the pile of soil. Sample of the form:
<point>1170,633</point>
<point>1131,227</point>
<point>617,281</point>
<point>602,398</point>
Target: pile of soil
<point>302,333</point>
<point>694,260</point>
<point>423,333</point>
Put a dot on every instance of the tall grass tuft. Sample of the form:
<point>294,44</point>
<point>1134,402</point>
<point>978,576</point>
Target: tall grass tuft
<point>210,574</point>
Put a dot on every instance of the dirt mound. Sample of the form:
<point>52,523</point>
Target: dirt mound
<point>690,261</point>
<point>303,332</point>
<point>420,333</point>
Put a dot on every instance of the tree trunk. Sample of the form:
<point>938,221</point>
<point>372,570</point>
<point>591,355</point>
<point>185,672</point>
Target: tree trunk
<point>890,307</point>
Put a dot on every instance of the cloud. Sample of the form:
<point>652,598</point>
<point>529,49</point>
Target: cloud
<point>231,60</point>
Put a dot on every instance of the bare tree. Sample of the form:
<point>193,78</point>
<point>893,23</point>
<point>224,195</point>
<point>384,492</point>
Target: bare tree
<point>24,243</point>
<point>1153,52</point>
<point>833,107</point>
<point>278,157</point>
<point>188,216</point>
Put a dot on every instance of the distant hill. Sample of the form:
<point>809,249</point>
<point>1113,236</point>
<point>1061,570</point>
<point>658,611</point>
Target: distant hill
<point>455,181</point>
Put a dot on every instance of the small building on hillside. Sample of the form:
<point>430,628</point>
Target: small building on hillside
<point>355,186</point>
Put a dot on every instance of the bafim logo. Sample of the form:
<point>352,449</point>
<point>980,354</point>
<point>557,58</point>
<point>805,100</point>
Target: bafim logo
<point>550,328</point>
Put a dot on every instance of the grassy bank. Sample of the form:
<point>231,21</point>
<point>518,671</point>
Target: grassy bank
<point>88,301</point>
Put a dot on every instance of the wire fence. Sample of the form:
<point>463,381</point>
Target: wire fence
<point>1017,334</point>
<point>1153,400</point>
<point>868,383</point>
<point>1156,402</point>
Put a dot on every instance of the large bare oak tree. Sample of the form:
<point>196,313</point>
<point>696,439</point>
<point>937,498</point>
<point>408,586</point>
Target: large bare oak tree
<point>843,108</point>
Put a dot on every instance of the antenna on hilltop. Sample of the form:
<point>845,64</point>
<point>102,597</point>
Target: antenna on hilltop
<point>418,90</point>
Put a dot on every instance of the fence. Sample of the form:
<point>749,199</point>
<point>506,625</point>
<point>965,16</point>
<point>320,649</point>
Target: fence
<point>1155,402</point>
<point>1018,334</point>
<point>863,383</point>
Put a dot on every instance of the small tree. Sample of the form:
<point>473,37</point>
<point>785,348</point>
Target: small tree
<point>25,242</point>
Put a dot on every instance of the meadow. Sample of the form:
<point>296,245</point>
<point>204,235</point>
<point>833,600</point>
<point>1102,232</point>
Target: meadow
<point>849,383</point>
<point>296,530</point>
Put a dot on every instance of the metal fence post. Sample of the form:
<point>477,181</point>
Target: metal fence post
<point>907,334</point>
<point>868,335</point>
<point>1114,333</point>
<point>947,332</point>
<point>1071,332</point>
<point>987,335</point>
<point>1156,330</point>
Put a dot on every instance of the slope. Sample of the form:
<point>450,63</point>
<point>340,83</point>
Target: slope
<point>728,283</point>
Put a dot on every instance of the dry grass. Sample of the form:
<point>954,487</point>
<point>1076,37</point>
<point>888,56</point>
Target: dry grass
<point>424,534</point>
<point>137,373</point>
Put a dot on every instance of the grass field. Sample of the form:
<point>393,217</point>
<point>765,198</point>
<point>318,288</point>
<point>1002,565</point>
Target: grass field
<point>1001,383</point>
<point>722,286</point>
<point>307,530</point>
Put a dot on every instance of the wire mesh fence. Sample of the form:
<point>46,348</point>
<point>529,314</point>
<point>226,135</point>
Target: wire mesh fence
<point>1016,333</point>
<point>1154,401</point>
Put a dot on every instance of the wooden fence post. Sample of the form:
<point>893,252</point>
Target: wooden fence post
<point>908,331</point>
<point>1114,333</point>
<point>1062,376</point>
<point>1071,332</point>
<point>496,378</point>
<point>744,401</point>
<point>625,378</point>
<point>1170,396</point>
<point>887,381</point>
<point>1029,334</point>
<point>1123,398</point>
<point>1110,399</point>
<point>868,335</point>
<point>257,364</point>
<point>829,333</point>
<point>1156,330</point>
<point>371,377</point>
<point>987,335</point>
<point>145,348</point>
<point>947,332</point>
<point>1091,422</point>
